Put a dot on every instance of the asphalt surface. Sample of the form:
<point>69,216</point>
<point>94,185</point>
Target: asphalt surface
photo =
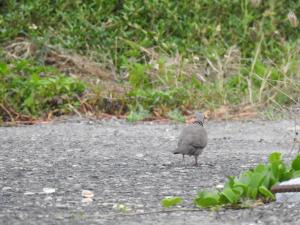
<point>130,166</point>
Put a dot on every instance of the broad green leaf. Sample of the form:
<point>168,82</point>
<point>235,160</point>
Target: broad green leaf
<point>238,190</point>
<point>266,193</point>
<point>252,192</point>
<point>256,180</point>
<point>261,168</point>
<point>170,201</point>
<point>275,157</point>
<point>241,185</point>
<point>296,163</point>
<point>296,174</point>
<point>230,182</point>
<point>286,176</point>
<point>245,177</point>
<point>223,200</point>
<point>275,171</point>
<point>267,179</point>
<point>231,196</point>
<point>207,199</point>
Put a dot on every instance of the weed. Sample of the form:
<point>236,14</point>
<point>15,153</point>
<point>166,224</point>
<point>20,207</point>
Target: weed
<point>168,202</point>
<point>218,53</point>
<point>176,115</point>
<point>252,184</point>
<point>30,90</point>
<point>139,114</point>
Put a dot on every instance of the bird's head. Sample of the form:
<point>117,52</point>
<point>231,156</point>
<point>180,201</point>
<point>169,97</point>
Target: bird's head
<point>199,118</point>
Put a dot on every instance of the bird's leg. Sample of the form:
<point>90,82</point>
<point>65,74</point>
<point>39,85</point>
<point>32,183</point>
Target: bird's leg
<point>196,160</point>
<point>183,159</point>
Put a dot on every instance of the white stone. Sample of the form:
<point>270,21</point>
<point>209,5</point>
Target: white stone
<point>87,194</point>
<point>139,155</point>
<point>292,181</point>
<point>220,187</point>
<point>48,190</point>
<point>6,189</point>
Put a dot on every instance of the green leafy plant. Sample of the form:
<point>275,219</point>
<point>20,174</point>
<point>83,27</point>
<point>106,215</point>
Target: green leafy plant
<point>247,49</point>
<point>139,114</point>
<point>249,186</point>
<point>33,90</point>
<point>176,115</point>
<point>252,184</point>
<point>168,202</point>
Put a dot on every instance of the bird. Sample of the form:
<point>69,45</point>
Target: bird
<point>193,139</point>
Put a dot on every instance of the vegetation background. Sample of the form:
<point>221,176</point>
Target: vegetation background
<point>147,58</point>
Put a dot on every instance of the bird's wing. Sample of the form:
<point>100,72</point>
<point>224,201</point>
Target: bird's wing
<point>195,136</point>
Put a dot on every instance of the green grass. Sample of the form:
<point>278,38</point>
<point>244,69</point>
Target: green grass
<point>138,114</point>
<point>163,50</point>
<point>32,91</point>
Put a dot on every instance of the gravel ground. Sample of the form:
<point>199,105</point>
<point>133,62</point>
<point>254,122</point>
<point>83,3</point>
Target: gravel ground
<point>131,165</point>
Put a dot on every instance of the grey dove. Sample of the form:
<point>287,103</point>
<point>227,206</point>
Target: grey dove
<point>193,139</point>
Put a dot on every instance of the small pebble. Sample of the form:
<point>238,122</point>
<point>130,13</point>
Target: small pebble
<point>139,155</point>
<point>220,187</point>
<point>49,190</point>
<point>87,194</point>
<point>48,198</point>
<point>6,189</point>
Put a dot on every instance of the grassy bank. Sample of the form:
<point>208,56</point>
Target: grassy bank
<point>141,58</point>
